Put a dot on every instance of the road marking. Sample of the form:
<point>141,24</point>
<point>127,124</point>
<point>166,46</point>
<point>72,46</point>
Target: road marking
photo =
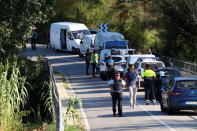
<point>155,117</point>
<point>87,127</point>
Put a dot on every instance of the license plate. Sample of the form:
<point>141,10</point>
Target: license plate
<point>191,102</point>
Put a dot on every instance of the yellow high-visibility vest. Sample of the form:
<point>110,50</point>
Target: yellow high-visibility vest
<point>96,58</point>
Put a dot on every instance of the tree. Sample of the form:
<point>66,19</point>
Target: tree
<point>180,23</point>
<point>17,17</point>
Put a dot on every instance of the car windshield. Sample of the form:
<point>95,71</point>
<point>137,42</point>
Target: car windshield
<point>187,84</point>
<point>153,66</point>
<point>116,44</point>
<point>170,73</point>
<point>80,33</point>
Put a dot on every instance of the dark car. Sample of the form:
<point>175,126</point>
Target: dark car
<point>163,76</point>
<point>179,94</point>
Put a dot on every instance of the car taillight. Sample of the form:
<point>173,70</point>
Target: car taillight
<point>139,72</point>
<point>176,93</point>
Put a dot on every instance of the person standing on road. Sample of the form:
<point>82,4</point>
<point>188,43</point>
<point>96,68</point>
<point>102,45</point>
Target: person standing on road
<point>34,39</point>
<point>110,68</point>
<point>94,62</point>
<point>88,57</point>
<point>131,77</point>
<point>149,76</point>
<point>116,86</point>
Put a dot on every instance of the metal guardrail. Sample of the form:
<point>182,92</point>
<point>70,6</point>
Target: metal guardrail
<point>181,65</point>
<point>56,101</point>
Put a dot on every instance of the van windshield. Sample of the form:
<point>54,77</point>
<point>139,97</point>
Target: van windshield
<point>116,44</point>
<point>80,33</point>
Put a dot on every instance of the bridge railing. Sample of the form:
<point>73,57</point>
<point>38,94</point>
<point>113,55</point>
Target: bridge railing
<point>181,65</point>
<point>56,101</point>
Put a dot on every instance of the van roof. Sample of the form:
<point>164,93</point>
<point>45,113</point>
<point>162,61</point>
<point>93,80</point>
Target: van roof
<point>72,25</point>
<point>110,35</point>
<point>90,36</point>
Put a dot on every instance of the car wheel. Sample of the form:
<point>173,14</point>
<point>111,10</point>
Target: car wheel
<point>80,55</point>
<point>170,110</point>
<point>74,51</point>
<point>104,78</point>
<point>163,109</point>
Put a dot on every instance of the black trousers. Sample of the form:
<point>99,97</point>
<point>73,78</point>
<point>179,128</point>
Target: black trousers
<point>93,68</point>
<point>149,89</point>
<point>116,96</point>
<point>87,66</point>
<point>33,43</point>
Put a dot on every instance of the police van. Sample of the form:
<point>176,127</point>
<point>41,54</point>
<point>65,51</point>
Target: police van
<point>67,35</point>
<point>109,40</point>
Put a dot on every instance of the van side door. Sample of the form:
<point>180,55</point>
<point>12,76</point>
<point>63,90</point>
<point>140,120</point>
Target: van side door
<point>69,41</point>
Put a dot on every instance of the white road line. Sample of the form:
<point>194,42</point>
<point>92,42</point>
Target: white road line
<point>87,127</point>
<point>155,117</point>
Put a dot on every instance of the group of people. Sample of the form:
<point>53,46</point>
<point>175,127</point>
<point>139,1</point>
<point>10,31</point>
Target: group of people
<point>91,58</point>
<point>131,82</point>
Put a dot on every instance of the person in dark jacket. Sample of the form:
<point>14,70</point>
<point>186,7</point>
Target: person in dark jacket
<point>88,57</point>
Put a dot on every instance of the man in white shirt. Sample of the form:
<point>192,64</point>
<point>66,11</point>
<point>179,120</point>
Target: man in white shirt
<point>116,86</point>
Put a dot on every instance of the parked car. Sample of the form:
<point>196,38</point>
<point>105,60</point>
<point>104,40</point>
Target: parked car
<point>163,76</point>
<point>120,65</point>
<point>179,94</point>
<point>87,42</point>
<point>141,63</point>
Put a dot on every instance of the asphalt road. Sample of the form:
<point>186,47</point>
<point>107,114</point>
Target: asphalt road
<point>97,100</point>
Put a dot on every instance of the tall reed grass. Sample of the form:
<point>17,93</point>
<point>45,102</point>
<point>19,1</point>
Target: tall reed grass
<point>13,96</point>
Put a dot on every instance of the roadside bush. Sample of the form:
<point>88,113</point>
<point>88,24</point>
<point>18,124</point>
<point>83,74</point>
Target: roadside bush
<point>39,104</point>
<point>13,96</point>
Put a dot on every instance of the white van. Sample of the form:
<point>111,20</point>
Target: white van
<point>109,40</point>
<point>67,35</point>
<point>87,42</point>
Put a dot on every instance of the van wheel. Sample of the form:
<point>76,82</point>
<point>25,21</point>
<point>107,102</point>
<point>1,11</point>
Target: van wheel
<point>74,51</point>
<point>80,55</point>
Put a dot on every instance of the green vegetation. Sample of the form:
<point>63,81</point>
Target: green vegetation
<point>13,94</point>
<point>25,90</point>
<point>162,25</point>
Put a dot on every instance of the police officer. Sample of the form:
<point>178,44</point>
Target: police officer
<point>149,76</point>
<point>110,68</point>
<point>88,56</point>
<point>116,86</point>
<point>94,62</point>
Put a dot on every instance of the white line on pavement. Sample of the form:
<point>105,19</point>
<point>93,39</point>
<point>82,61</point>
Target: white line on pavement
<point>155,117</point>
<point>87,127</point>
